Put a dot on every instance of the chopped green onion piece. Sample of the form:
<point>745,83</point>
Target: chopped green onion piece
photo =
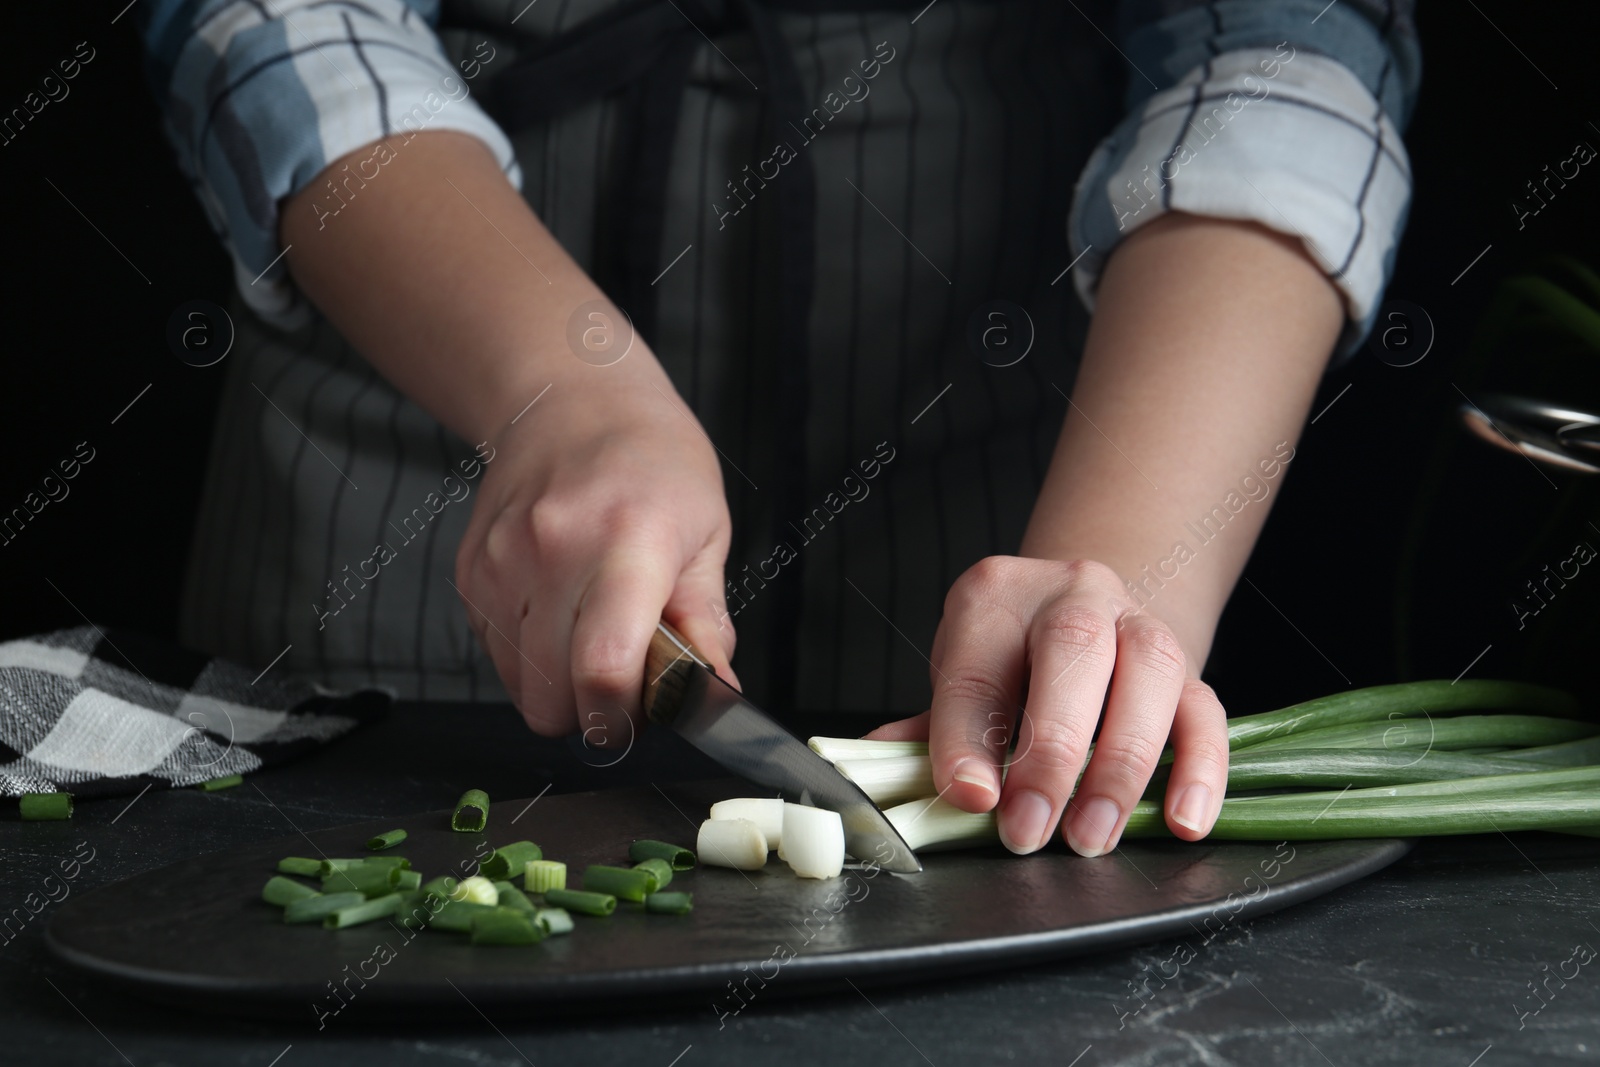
<point>365,912</point>
<point>580,901</point>
<point>669,903</point>
<point>386,861</point>
<point>387,839</point>
<point>418,910</point>
<point>509,859</point>
<point>300,865</point>
<point>472,812</point>
<point>41,806</point>
<point>555,921</point>
<point>541,876</point>
<point>227,781</point>
<point>502,926</point>
<point>375,881</point>
<point>285,891</point>
<point>442,886</point>
<point>681,858</point>
<point>456,915</point>
<point>624,883</point>
<point>660,872</point>
<point>514,898</point>
<point>476,890</point>
<point>327,867</point>
<point>409,881</point>
<point>315,909</point>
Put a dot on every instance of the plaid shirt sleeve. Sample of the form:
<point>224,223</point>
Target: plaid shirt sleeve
<point>1282,112</point>
<point>260,96</point>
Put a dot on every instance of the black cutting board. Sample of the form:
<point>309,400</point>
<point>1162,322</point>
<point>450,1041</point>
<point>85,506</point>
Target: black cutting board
<point>197,934</point>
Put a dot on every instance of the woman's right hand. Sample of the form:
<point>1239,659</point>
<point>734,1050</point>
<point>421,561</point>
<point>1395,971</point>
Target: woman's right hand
<point>601,511</point>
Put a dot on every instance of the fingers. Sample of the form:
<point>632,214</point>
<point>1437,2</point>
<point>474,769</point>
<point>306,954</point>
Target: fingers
<point>1200,765</point>
<point>698,610</point>
<point>978,671</point>
<point>1072,644</point>
<point>615,620</point>
<point>912,729</point>
<point>1145,686</point>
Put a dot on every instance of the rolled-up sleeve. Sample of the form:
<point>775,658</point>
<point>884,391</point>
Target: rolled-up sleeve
<point>260,96</point>
<point>1280,112</point>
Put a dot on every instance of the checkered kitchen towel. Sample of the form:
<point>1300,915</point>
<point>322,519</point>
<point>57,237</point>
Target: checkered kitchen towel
<point>98,713</point>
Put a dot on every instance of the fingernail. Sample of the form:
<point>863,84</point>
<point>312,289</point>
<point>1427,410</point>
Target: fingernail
<point>1194,804</point>
<point>1090,829</point>
<point>1026,822</point>
<point>975,772</point>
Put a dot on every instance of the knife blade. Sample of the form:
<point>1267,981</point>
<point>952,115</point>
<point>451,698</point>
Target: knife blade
<point>683,693</point>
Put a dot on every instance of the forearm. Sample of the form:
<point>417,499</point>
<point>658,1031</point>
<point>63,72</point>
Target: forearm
<point>1206,348</point>
<point>444,279</point>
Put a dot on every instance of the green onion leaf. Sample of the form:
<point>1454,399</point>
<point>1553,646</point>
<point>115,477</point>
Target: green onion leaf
<point>660,872</point>
<point>456,915</point>
<point>669,903</point>
<point>555,921</point>
<point>409,881</point>
<point>227,781</point>
<point>472,812</point>
<point>512,897</point>
<point>365,912</point>
<point>42,806</point>
<point>370,881</point>
<point>285,891</point>
<point>510,859</point>
<point>680,858</point>
<point>315,909</point>
<point>387,839</point>
<point>585,903</point>
<point>624,883</point>
<point>300,865</point>
<point>502,926</point>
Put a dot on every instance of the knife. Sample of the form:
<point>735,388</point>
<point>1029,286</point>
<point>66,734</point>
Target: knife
<point>682,692</point>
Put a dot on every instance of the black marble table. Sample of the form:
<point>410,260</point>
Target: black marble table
<point>1472,952</point>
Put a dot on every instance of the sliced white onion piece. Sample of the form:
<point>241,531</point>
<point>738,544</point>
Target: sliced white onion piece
<point>813,841</point>
<point>834,749</point>
<point>765,812</point>
<point>736,843</point>
<point>890,780</point>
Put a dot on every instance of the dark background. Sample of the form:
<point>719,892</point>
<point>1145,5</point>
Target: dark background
<point>86,333</point>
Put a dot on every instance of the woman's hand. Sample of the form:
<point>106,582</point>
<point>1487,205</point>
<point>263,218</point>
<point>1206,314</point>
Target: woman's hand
<point>1066,638</point>
<point>601,512</point>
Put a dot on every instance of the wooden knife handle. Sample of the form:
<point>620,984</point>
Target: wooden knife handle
<point>666,672</point>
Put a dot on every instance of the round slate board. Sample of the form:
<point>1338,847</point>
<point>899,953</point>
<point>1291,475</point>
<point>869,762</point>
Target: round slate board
<point>196,933</point>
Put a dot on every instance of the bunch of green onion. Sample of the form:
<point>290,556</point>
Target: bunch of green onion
<point>1407,760</point>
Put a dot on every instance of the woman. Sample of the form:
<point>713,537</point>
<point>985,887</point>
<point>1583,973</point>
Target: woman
<point>796,262</point>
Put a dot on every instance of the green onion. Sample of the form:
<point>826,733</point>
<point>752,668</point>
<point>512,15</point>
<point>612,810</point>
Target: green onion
<point>669,903</point>
<point>42,806</point>
<point>365,912</point>
<point>578,900</point>
<point>1424,735</point>
<point>418,910</point>
<point>541,876</point>
<point>834,749</point>
<point>476,890</point>
<point>300,865</point>
<point>327,867</point>
<point>624,883</point>
<point>315,909</point>
<point>285,891</point>
<point>510,859</point>
<point>409,881</point>
<point>1405,699</point>
<point>1565,754</point>
<point>472,812</point>
<point>660,872</point>
<point>1536,800</point>
<point>500,926</point>
<point>890,781</point>
<point>369,881</point>
<point>1259,768</point>
<point>555,921</point>
<point>443,886</point>
<point>681,858</point>
<point>227,781</point>
<point>387,839</point>
<point>456,915</point>
<point>509,896</point>
<point>935,823</point>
